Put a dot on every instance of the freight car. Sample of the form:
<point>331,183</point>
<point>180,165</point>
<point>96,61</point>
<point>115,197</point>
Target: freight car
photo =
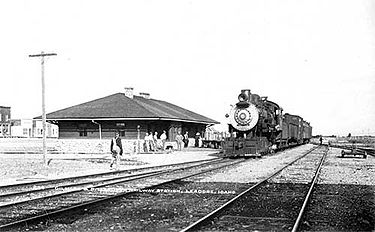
<point>258,126</point>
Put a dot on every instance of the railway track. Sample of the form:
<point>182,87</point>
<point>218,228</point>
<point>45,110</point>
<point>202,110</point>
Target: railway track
<point>367,150</point>
<point>266,206</point>
<point>50,199</point>
<point>11,194</point>
<point>357,150</point>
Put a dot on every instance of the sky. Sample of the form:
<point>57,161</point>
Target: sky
<point>315,58</point>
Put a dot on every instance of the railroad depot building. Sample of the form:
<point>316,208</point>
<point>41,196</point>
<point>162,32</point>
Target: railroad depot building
<point>132,116</point>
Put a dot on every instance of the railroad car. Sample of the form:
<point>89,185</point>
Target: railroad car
<point>258,126</point>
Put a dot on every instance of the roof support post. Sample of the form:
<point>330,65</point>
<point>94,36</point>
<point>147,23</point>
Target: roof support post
<point>100,129</point>
<point>138,149</point>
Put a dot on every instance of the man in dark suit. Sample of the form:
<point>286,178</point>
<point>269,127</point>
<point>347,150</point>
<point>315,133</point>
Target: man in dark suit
<point>116,150</point>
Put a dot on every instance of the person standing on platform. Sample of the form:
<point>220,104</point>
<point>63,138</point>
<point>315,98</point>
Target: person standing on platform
<point>116,150</point>
<point>156,144</point>
<point>200,141</point>
<point>151,142</point>
<point>197,138</point>
<point>186,139</point>
<point>147,143</point>
<point>163,138</point>
<point>179,140</point>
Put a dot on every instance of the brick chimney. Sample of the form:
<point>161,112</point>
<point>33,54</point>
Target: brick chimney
<point>145,95</point>
<point>129,92</point>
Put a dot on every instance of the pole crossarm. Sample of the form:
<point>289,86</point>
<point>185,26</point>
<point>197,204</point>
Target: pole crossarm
<point>43,54</point>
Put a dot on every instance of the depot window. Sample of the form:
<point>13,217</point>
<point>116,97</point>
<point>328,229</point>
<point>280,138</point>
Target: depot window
<point>82,130</point>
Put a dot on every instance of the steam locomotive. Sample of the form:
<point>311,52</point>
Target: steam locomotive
<point>258,126</point>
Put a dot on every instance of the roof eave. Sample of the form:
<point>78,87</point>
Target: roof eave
<point>133,119</point>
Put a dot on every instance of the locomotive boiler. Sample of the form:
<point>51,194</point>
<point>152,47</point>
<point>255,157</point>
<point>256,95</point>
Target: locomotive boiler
<point>258,126</point>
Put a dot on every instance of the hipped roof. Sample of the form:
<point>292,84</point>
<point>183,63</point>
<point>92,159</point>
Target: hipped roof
<point>119,107</point>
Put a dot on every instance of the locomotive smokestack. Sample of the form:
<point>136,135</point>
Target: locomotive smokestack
<point>244,95</point>
<point>244,98</point>
<point>247,92</point>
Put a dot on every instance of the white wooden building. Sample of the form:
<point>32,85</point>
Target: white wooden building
<point>31,128</point>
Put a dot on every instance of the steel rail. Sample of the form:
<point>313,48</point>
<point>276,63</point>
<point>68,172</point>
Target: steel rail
<point>365,150</point>
<point>103,199</point>
<point>119,180</point>
<point>98,174</point>
<point>231,201</point>
<point>91,181</point>
<point>70,185</point>
<point>309,193</point>
<point>200,173</point>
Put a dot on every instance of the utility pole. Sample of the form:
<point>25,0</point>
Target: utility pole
<point>42,55</point>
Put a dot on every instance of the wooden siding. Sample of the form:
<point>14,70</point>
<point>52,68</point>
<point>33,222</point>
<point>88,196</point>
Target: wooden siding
<point>127,129</point>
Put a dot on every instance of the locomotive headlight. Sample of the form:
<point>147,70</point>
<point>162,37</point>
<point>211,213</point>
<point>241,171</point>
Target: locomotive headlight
<point>244,118</point>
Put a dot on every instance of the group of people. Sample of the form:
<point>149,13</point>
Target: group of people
<point>152,143</point>
<point>182,140</point>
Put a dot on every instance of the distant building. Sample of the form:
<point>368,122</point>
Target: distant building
<point>22,128</point>
<point>29,128</point>
<point>4,121</point>
<point>128,114</point>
